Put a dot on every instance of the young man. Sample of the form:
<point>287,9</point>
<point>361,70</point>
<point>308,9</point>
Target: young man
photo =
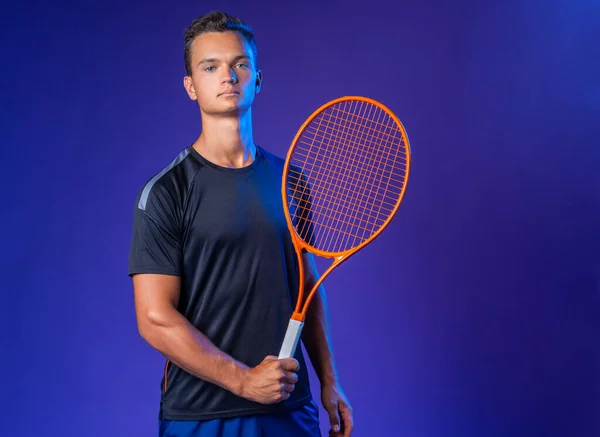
<point>214,270</point>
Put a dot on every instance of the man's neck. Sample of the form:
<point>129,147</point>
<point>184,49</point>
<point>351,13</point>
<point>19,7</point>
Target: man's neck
<point>227,141</point>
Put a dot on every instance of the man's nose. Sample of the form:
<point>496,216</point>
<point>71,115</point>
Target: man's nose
<point>230,77</point>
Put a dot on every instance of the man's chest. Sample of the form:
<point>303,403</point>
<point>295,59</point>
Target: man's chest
<point>235,211</point>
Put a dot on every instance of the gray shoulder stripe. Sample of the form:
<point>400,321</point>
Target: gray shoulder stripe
<point>151,182</point>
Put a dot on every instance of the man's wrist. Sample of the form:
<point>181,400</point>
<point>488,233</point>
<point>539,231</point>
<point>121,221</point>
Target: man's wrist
<point>328,377</point>
<point>239,377</point>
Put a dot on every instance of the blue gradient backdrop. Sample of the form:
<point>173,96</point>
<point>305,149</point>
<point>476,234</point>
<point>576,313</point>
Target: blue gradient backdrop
<point>476,314</point>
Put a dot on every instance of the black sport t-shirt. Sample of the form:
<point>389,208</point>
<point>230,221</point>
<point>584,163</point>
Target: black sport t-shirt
<point>223,231</point>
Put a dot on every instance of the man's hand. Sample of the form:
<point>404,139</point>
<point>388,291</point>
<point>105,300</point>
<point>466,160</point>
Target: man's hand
<point>340,412</point>
<point>271,381</point>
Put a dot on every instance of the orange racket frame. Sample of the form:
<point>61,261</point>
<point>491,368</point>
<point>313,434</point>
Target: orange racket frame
<point>297,319</point>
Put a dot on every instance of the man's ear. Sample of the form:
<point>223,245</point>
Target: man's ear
<point>259,80</point>
<point>189,88</point>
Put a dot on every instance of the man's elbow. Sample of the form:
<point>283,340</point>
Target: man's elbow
<point>149,324</point>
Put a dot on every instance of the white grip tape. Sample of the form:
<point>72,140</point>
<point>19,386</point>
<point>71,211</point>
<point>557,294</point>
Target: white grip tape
<point>288,349</point>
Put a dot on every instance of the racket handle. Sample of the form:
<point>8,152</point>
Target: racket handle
<point>288,349</point>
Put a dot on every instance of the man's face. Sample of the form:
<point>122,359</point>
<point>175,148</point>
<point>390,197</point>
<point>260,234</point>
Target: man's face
<point>224,78</point>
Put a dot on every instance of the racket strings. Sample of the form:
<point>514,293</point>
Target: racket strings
<point>347,179</point>
<point>370,188</point>
<point>348,170</point>
<point>350,155</point>
<point>385,147</point>
<point>329,214</point>
<point>300,153</point>
<point>335,201</point>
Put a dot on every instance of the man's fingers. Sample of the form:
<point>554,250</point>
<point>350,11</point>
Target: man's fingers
<point>334,418</point>
<point>288,387</point>
<point>348,426</point>
<point>290,364</point>
<point>346,414</point>
<point>291,377</point>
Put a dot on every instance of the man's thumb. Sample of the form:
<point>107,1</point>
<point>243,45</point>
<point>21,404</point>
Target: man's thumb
<point>334,418</point>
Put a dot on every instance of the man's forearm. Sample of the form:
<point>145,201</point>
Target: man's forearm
<point>177,339</point>
<point>317,340</point>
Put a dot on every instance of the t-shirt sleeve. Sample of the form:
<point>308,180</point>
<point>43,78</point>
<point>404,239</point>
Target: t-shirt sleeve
<point>156,242</point>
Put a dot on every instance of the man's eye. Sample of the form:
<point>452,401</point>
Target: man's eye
<point>242,65</point>
<point>209,69</point>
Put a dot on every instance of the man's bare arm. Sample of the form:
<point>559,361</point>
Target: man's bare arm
<point>166,330</point>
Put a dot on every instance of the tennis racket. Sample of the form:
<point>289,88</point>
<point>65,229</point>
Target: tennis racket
<point>344,178</point>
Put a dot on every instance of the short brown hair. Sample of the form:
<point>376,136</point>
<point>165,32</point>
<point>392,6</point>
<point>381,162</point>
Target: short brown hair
<point>215,21</point>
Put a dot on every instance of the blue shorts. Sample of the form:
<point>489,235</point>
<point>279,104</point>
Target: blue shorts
<point>300,422</point>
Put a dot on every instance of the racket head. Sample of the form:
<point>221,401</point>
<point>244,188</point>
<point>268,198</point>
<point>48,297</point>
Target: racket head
<point>344,143</point>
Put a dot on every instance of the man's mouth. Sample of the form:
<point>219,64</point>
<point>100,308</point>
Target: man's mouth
<point>229,93</point>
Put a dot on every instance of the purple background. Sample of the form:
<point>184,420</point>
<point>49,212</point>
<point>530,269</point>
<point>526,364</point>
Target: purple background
<point>477,313</point>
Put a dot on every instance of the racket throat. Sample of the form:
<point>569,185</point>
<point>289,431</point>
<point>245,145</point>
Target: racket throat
<point>297,316</point>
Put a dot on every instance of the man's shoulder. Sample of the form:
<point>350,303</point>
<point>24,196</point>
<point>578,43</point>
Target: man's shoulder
<point>275,161</point>
<point>272,157</point>
<point>169,181</point>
